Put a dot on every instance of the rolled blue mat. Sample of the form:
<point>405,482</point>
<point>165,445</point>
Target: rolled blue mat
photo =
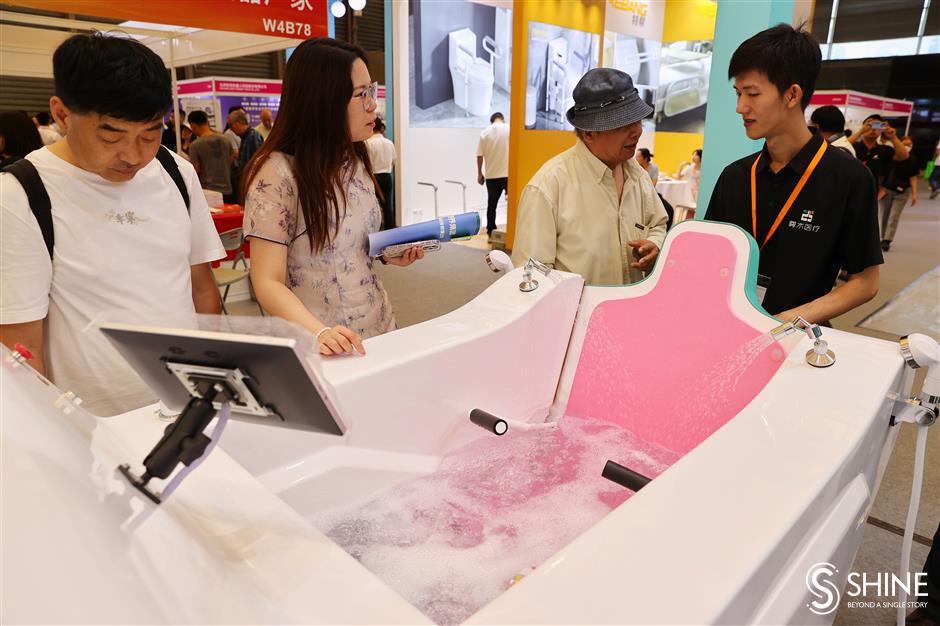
<point>442,229</point>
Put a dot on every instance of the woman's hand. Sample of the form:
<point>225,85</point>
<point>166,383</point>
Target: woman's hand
<point>334,340</point>
<point>410,256</point>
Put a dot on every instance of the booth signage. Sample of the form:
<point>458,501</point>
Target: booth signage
<point>196,86</point>
<point>865,101</point>
<point>248,86</point>
<point>823,99</point>
<point>297,19</point>
<point>898,107</point>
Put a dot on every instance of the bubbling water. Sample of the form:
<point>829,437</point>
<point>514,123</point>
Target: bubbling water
<point>452,541</point>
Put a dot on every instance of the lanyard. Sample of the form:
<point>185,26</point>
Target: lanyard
<point>786,207</point>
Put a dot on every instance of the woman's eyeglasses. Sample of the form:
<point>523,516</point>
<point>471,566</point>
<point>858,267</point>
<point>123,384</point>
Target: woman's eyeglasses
<point>367,96</point>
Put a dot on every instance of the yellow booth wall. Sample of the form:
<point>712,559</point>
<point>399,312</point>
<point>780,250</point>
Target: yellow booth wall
<point>529,149</point>
<point>687,20</point>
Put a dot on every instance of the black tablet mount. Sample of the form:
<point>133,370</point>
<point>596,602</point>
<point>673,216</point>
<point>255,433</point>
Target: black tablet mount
<point>184,441</point>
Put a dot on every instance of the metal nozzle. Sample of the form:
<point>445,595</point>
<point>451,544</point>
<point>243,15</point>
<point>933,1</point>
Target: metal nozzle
<point>820,355</point>
<point>798,324</point>
<point>528,283</point>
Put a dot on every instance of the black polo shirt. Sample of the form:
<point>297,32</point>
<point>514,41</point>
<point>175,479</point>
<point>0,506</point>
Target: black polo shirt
<point>832,224</point>
<point>899,176</point>
<point>878,158</point>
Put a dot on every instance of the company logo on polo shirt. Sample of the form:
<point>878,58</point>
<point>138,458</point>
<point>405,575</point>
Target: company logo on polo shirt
<point>805,223</point>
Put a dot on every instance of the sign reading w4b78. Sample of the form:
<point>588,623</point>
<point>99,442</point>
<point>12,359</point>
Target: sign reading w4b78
<point>297,19</point>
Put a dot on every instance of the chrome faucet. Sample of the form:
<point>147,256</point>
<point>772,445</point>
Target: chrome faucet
<point>528,283</point>
<point>820,355</point>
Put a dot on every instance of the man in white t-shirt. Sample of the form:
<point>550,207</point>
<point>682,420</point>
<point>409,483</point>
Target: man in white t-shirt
<point>382,154</point>
<point>47,133</point>
<point>123,239</point>
<point>493,149</point>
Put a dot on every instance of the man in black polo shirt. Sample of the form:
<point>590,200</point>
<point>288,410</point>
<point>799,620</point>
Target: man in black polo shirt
<point>877,145</point>
<point>811,208</point>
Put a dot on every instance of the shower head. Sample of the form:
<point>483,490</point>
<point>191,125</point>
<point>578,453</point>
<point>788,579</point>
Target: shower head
<point>498,261</point>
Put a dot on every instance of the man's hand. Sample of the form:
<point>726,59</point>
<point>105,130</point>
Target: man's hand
<point>410,256</point>
<point>645,251</point>
<point>861,131</point>
<point>889,131</point>
<point>481,179</point>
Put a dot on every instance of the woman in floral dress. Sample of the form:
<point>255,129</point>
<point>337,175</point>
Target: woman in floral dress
<point>310,202</point>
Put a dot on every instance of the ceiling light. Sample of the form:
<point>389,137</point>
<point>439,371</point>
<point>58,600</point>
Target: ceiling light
<point>338,9</point>
<point>357,5</point>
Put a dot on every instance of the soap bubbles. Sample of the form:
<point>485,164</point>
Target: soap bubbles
<point>452,541</point>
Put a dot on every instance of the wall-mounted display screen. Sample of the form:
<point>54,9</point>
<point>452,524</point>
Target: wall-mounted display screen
<point>557,59</point>
<point>683,86</point>
<point>460,63</point>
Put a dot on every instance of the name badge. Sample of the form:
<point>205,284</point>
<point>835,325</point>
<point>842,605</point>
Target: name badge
<point>763,282</point>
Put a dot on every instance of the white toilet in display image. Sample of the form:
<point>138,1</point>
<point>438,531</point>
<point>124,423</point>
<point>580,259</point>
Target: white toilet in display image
<point>472,76</point>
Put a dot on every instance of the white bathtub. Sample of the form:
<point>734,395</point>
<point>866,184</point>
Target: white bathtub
<point>725,535</point>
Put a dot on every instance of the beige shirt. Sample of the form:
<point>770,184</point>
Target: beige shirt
<point>569,216</point>
<point>263,130</point>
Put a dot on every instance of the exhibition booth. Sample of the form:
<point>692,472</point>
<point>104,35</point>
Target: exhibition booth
<point>856,106</point>
<point>511,461</point>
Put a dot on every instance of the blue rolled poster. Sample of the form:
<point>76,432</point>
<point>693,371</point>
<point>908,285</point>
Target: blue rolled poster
<point>443,229</point>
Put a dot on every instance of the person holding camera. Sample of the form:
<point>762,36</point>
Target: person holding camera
<point>876,145</point>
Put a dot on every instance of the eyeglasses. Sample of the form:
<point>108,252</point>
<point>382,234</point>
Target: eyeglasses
<point>368,95</point>
<point>601,105</point>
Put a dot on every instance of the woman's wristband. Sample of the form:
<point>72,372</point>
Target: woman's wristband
<point>316,337</point>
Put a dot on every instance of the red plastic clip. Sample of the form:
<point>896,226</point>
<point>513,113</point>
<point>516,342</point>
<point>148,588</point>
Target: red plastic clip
<point>23,351</point>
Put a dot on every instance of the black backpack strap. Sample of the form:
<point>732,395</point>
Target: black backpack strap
<point>173,169</point>
<point>39,203</point>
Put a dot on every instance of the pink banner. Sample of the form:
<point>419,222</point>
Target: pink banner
<point>828,98</point>
<point>898,107</point>
<point>865,101</point>
<point>202,86</point>
<point>248,86</point>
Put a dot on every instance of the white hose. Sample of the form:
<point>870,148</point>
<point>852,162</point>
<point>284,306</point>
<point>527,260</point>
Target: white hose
<point>916,484</point>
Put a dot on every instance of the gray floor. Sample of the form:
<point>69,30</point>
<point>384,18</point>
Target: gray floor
<point>457,274</point>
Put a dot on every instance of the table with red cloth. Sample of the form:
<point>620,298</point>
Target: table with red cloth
<point>228,217</point>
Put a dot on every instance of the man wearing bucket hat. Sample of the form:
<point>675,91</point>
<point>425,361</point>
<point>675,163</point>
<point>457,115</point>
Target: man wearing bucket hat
<point>592,209</point>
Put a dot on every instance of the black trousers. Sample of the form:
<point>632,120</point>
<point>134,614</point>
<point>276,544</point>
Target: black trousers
<point>494,189</point>
<point>388,200</point>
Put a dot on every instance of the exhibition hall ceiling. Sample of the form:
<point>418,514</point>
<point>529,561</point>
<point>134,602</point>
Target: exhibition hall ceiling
<point>865,20</point>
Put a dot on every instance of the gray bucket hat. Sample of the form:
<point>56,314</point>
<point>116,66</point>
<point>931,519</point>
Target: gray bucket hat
<point>605,99</point>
